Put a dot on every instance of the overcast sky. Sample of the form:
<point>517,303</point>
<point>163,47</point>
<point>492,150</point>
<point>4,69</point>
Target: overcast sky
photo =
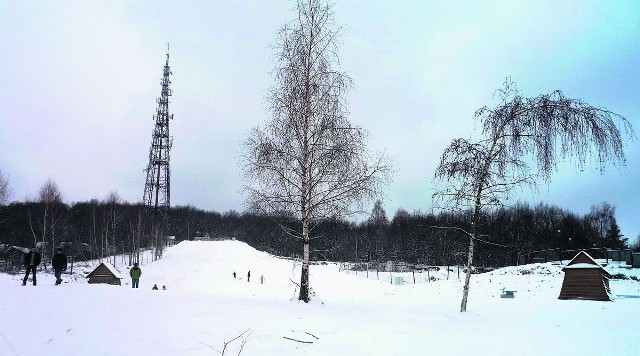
<point>78,83</point>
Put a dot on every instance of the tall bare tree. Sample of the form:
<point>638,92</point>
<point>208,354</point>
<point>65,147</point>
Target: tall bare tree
<point>601,217</point>
<point>309,160</point>
<point>378,226</point>
<point>136,232</point>
<point>49,218</point>
<point>5,190</point>
<point>5,193</point>
<point>516,133</point>
<point>112,218</point>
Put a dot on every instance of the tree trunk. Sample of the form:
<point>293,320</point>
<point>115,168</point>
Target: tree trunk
<point>475,219</point>
<point>113,234</point>
<point>467,278</point>
<point>44,231</point>
<point>304,276</point>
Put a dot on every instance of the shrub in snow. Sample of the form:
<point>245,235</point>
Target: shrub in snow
<point>619,276</point>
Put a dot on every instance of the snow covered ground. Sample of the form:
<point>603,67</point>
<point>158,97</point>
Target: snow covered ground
<point>204,307</point>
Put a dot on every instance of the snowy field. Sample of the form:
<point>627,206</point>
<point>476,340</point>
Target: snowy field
<point>204,307</point>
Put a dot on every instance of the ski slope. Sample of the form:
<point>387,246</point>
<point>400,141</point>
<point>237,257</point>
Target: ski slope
<point>204,307</point>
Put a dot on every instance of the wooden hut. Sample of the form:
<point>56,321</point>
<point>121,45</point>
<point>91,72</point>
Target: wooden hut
<point>105,273</point>
<point>584,278</point>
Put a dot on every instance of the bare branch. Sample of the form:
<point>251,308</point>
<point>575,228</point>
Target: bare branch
<point>291,280</point>
<point>317,338</point>
<point>296,340</point>
<point>308,159</point>
<point>544,129</point>
<point>226,344</point>
<point>451,228</point>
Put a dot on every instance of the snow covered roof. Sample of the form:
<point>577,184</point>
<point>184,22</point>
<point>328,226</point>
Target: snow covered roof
<point>583,261</point>
<point>111,269</point>
<point>582,265</point>
<point>583,257</point>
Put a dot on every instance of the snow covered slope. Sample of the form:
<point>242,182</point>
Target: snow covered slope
<point>205,306</point>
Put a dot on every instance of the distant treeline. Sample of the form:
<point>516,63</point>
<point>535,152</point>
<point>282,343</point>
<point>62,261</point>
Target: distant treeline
<point>97,229</point>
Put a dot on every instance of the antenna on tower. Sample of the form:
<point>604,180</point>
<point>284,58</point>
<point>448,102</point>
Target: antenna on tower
<point>157,189</point>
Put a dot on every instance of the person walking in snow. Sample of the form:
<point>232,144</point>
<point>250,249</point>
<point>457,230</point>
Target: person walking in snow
<point>262,279</point>
<point>155,287</point>
<point>248,275</point>
<point>59,264</point>
<point>135,274</point>
<point>234,274</point>
<point>31,261</point>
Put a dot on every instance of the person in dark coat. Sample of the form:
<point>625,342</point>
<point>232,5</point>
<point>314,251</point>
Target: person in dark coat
<point>31,262</point>
<point>59,264</point>
<point>248,276</point>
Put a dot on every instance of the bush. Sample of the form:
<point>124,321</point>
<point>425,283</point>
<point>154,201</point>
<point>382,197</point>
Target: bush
<point>619,276</point>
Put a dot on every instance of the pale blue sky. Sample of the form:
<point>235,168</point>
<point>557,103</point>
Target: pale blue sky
<point>78,82</point>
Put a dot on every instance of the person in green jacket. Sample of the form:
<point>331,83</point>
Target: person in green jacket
<point>135,274</point>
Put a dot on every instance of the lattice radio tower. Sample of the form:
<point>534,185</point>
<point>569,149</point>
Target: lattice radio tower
<point>157,189</point>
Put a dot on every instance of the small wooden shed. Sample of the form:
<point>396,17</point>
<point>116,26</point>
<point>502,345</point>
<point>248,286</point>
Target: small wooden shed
<point>105,273</point>
<point>584,278</point>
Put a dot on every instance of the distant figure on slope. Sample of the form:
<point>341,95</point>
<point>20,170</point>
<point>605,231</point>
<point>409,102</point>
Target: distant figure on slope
<point>155,287</point>
<point>234,274</point>
<point>262,279</point>
<point>31,261</point>
<point>248,275</point>
<point>135,274</point>
<point>59,264</point>
<point>164,288</point>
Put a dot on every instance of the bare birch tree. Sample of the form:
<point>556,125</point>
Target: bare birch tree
<point>309,160</point>
<point>136,232</point>
<point>110,225</point>
<point>50,217</point>
<point>5,190</point>
<point>5,193</point>
<point>517,133</point>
